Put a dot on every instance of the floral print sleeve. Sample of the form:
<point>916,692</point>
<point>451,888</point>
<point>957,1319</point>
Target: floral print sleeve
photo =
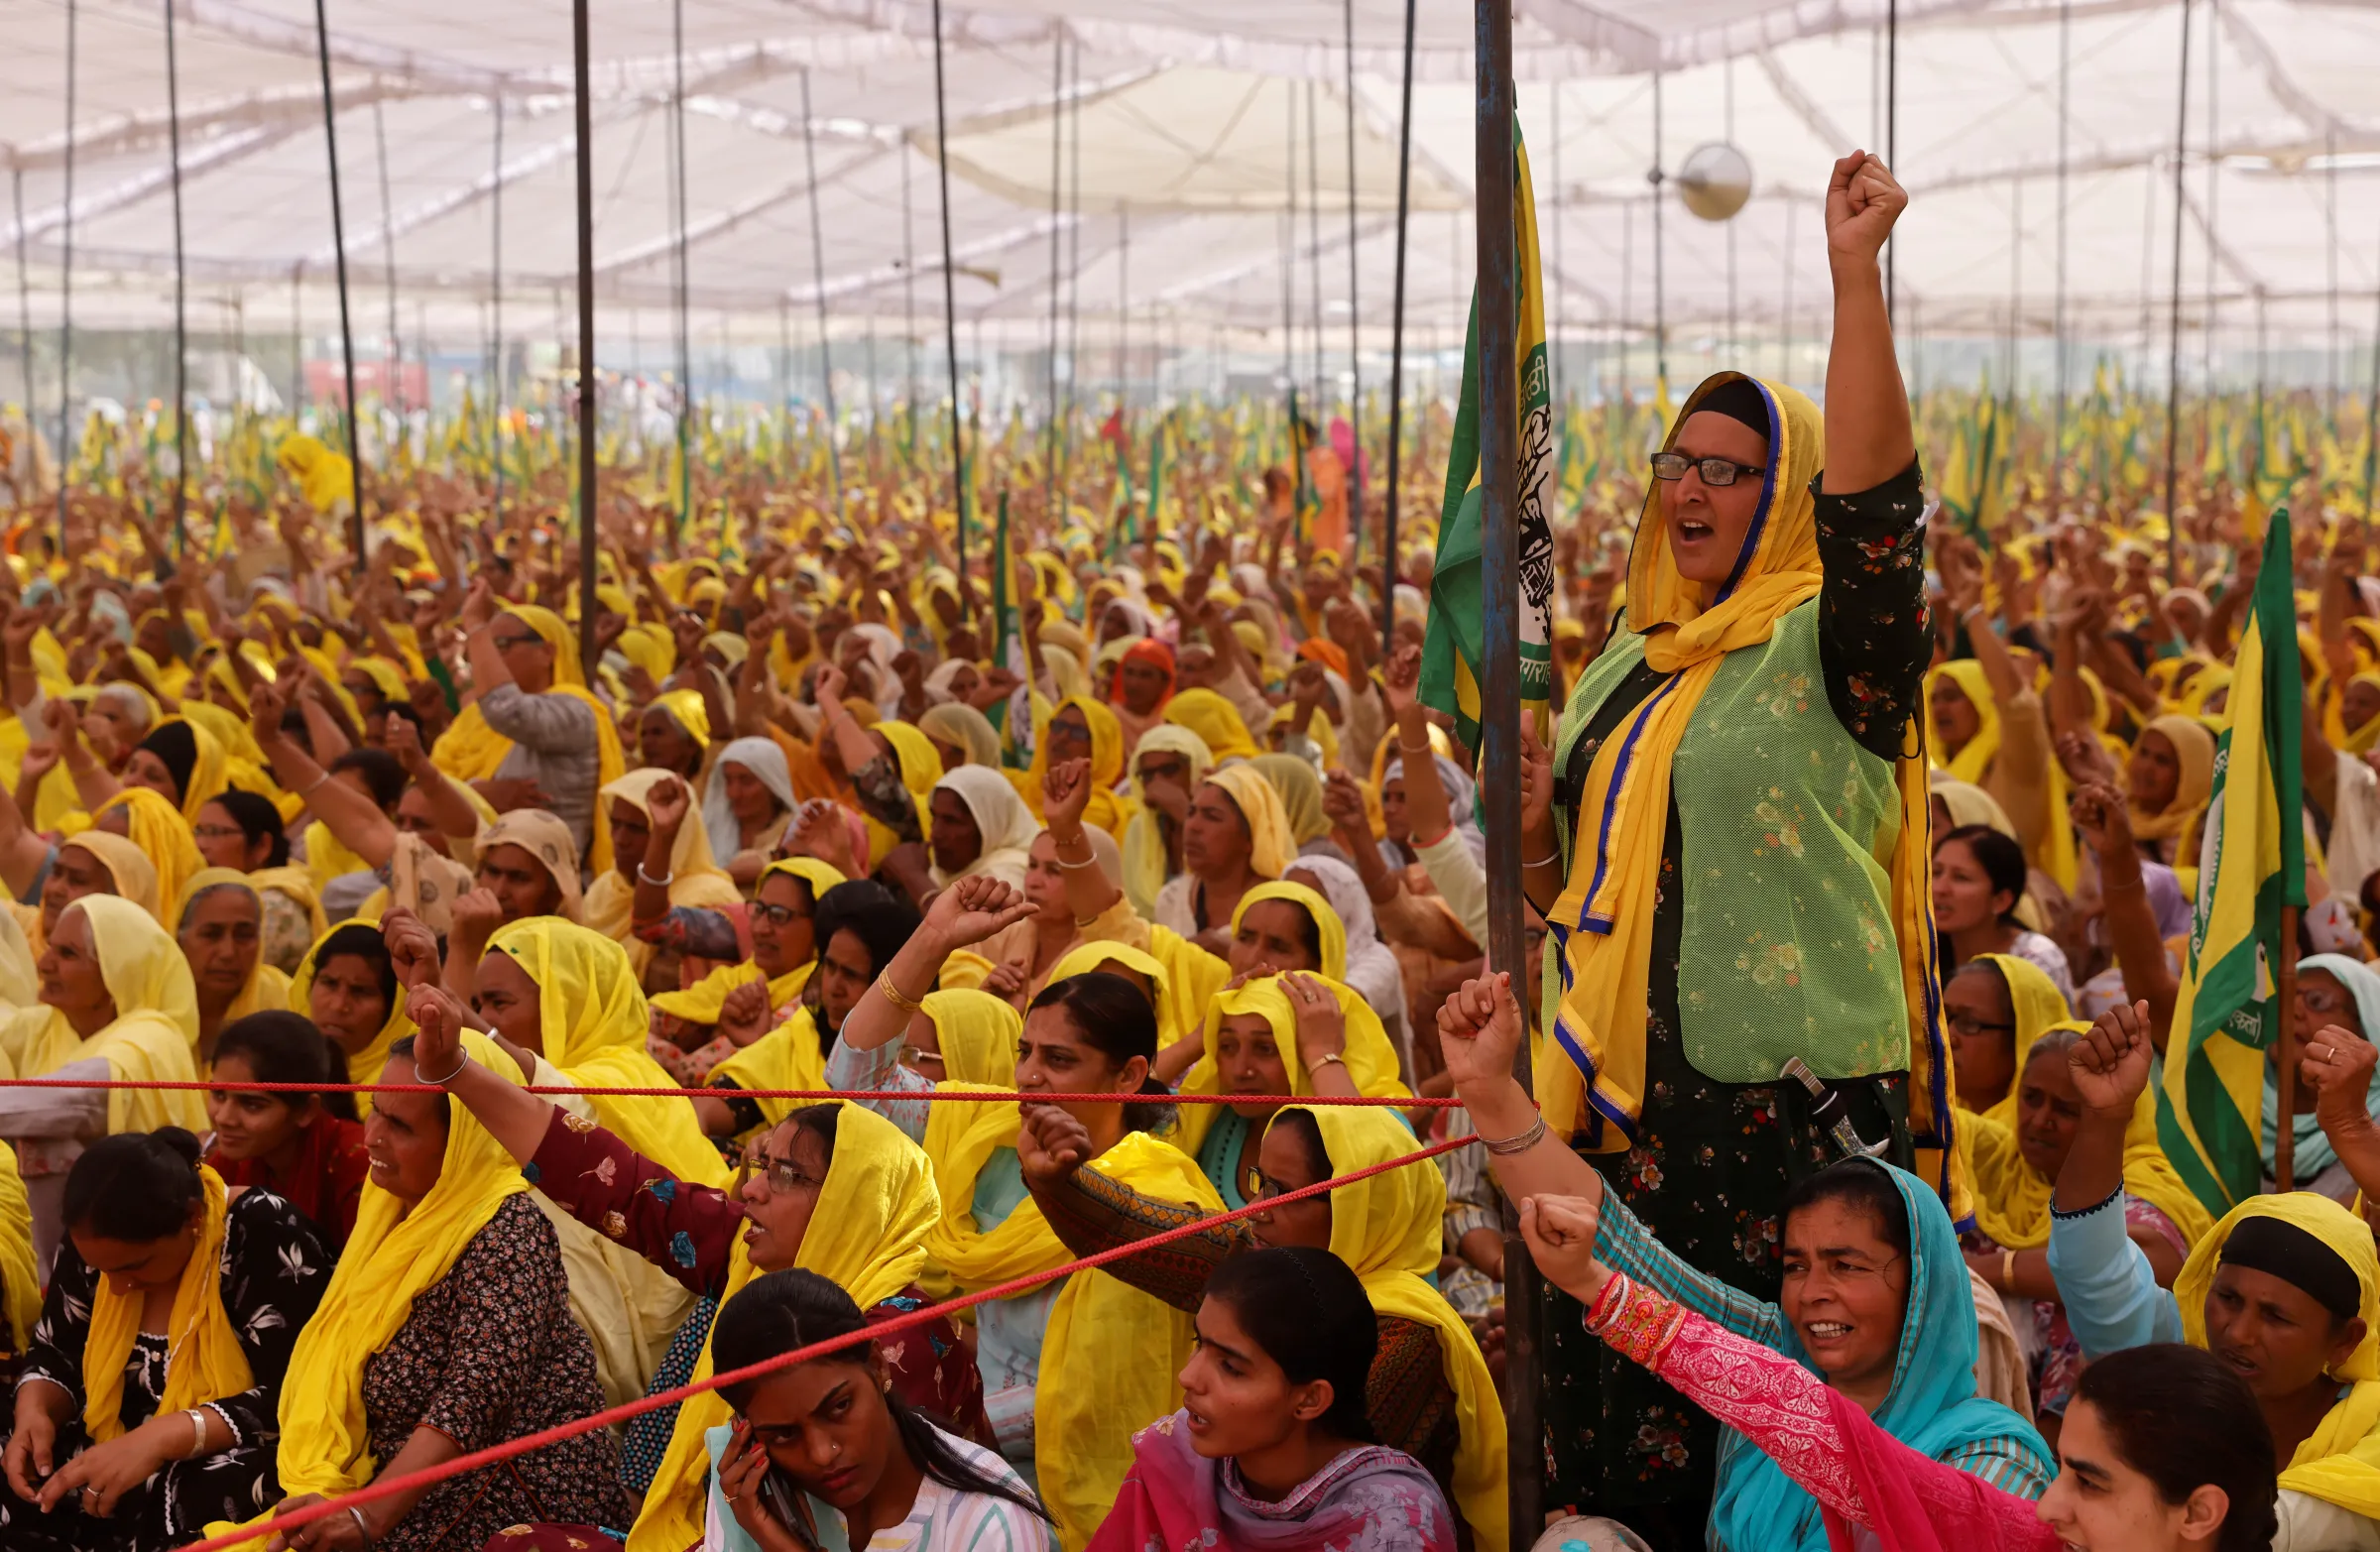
<point>1874,635</point>
<point>686,1230</point>
<point>883,799</point>
<point>274,1269</point>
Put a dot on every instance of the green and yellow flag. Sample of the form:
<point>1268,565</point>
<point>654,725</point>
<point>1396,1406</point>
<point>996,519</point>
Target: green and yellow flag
<point>1454,651</point>
<point>2210,1110</point>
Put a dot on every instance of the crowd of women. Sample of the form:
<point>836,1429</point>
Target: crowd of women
<point>1850,871</point>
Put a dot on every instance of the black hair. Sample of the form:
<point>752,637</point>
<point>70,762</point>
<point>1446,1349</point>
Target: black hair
<point>1310,1314</point>
<point>1308,1131</point>
<point>879,918</point>
<point>819,1120</point>
<point>176,745</point>
<point>2001,859</point>
<point>1119,1022</point>
<point>285,1048</point>
<point>364,943</point>
<point>384,778</point>
<point>405,1047</point>
<point>778,1312</point>
<point>134,1186</point>
<point>1861,1185</point>
<point>2185,1419</point>
<point>258,819</point>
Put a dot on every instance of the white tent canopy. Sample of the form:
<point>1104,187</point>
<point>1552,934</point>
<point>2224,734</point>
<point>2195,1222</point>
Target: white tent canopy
<point>1201,156</point>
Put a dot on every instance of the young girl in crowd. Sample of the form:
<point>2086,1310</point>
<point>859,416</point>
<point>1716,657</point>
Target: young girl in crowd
<point>307,1149</point>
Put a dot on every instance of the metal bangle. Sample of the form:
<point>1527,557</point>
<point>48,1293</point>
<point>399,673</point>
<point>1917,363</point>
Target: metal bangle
<point>464,1061</point>
<point>1505,1148</point>
<point>1546,861</point>
<point>658,884</point>
<point>1091,861</point>
<point>884,984</point>
<point>361,1528</point>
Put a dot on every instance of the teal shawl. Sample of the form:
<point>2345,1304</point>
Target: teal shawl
<point>1933,1406</point>
<point>2312,1153</point>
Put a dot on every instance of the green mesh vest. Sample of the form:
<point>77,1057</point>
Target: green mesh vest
<point>1787,944</point>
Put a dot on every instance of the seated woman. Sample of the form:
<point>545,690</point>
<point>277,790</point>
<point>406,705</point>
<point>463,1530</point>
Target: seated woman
<point>860,926</point>
<point>1429,1393</point>
<point>2285,1289</point>
<point>2167,782</point>
<point>446,1329</point>
<point>895,1473</point>
<point>673,734</point>
<point>677,873</point>
<point>2014,1148</point>
<point>1369,970</point>
<point>1073,879</point>
<point>977,824</point>
<point>2333,992</point>
<point>96,862</point>
<point>117,1003</point>
<point>1169,764</point>
<point>1978,879</point>
<point>528,866</point>
<point>1887,1317</point>
<point>1271,1446</point>
<point>780,934</point>
<point>1235,837</point>
<point>1082,727</point>
<point>2161,1451</point>
<point>242,831</point>
<point>1090,1033</point>
<point>218,920</point>
<point>148,1403</point>
<point>747,805</point>
<point>306,1149</point>
<point>962,735</point>
<point>867,1181</point>
<point>152,823</point>
<point>347,986</point>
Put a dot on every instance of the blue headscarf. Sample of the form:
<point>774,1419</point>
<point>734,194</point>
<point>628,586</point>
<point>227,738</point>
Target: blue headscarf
<point>1932,1407</point>
<point>2314,1153</point>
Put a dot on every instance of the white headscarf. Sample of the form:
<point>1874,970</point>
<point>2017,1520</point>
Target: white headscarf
<point>766,763</point>
<point>1460,798</point>
<point>1371,970</point>
<point>1007,826</point>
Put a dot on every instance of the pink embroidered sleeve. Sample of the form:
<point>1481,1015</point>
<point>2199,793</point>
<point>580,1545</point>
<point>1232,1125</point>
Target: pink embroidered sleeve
<point>1774,1401</point>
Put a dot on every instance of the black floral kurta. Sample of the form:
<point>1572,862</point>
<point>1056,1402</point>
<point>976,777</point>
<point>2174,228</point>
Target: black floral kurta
<point>274,1271</point>
<point>491,1353</point>
<point>1715,1159</point>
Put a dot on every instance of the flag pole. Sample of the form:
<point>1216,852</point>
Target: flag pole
<point>338,242</point>
<point>950,329</point>
<point>2285,999</point>
<point>583,128</point>
<point>1500,710</point>
<point>1397,352</point>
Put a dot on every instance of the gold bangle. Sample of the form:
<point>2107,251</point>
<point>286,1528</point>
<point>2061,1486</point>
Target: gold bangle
<point>1321,1062</point>
<point>884,984</point>
<point>2008,1271</point>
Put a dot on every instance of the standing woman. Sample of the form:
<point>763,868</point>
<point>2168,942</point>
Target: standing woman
<point>1746,875</point>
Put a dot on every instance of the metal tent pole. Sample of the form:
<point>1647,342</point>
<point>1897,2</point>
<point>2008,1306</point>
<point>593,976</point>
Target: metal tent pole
<point>1499,719</point>
<point>2371,420</point>
<point>1893,132</point>
<point>826,356</point>
<point>24,294</point>
<point>1396,345</point>
<point>680,281</point>
<point>950,321</point>
<point>339,243</point>
<point>583,108</point>
<point>66,301</point>
<point>496,314</point>
<point>1660,278</point>
<point>2058,325</point>
<point>1355,314</point>
<point>909,298</point>
<point>393,390</point>
<point>1057,153</point>
<point>182,322</point>
<point>2172,357</point>
<point>1314,239</point>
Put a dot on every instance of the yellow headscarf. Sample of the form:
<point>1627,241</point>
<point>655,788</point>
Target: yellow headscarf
<point>365,1065</point>
<point>2339,1462</point>
<point>978,1033</point>
<point>1371,1059</point>
<point>1271,849</point>
<point>695,879</point>
<point>919,768</point>
<point>155,1032</point>
<point>128,865</point>
<point>874,1210</point>
<point>592,1022</point>
<point>20,1279</point>
<point>163,835</point>
<point>1608,975</point>
<point>1110,1352</point>
<point>1327,926</point>
<point>267,989</point>
<point>1104,809</point>
<point>1217,723</point>
<point>1300,789</point>
<point>204,1357</point>
<point>392,1258</point>
<point>1144,854</point>
<point>1388,1230</point>
<point>2011,1197</point>
<point>2193,758</point>
<point>1174,1017</point>
<point>2056,855</point>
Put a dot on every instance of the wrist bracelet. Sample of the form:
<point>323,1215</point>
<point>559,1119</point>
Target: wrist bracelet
<point>884,984</point>
<point>465,1062</point>
<point>361,1528</point>
<point>1324,1061</point>
<point>2008,1271</point>
<point>1505,1148</point>
<point>659,884</point>
<point>197,1419</point>
<point>1546,861</point>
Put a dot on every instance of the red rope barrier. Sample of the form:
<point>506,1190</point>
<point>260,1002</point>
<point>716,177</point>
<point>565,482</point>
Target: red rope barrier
<point>1052,1097</point>
<point>431,1476</point>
